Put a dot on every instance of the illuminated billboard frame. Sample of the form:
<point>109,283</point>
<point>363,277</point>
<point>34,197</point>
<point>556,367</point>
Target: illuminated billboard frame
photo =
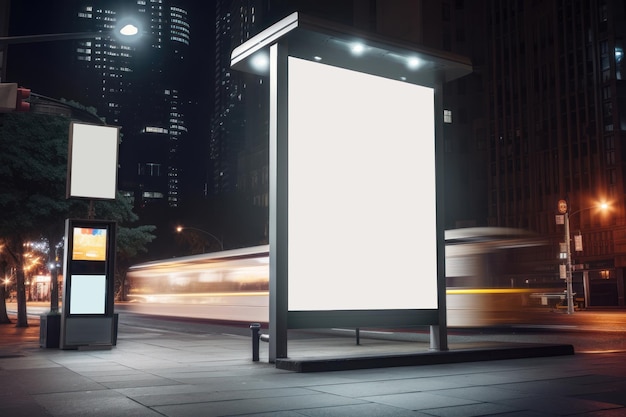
<point>92,161</point>
<point>361,191</point>
<point>317,166</point>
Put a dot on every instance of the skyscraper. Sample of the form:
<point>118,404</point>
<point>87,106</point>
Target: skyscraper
<point>236,21</point>
<point>556,122</point>
<point>145,86</point>
<point>239,133</point>
<point>122,77</point>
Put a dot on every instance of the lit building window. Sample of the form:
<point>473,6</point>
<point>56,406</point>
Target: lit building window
<point>447,116</point>
<point>154,129</point>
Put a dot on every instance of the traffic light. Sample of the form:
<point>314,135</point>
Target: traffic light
<point>8,97</point>
<point>22,95</point>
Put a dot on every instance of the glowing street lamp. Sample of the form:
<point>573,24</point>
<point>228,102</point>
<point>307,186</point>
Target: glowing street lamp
<point>128,26</point>
<point>563,209</point>
<point>181,228</point>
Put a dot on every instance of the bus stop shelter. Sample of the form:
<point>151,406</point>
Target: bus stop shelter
<point>356,162</point>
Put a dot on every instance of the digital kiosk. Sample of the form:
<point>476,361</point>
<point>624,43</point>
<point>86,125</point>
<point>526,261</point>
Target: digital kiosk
<point>88,319</point>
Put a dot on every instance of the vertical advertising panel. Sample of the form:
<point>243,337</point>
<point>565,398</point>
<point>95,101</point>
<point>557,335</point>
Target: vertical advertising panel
<point>92,161</point>
<point>361,191</point>
<point>88,294</point>
<point>88,284</point>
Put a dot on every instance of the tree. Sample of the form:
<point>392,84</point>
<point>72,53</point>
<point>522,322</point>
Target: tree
<point>4,318</point>
<point>33,172</point>
<point>130,240</point>
<point>33,166</point>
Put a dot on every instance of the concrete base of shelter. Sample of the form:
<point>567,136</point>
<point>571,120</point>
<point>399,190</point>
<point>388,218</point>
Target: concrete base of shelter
<point>325,364</point>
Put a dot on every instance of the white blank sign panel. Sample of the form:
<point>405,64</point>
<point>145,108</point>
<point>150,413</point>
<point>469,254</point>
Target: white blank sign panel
<point>361,193</point>
<point>88,294</point>
<point>93,161</point>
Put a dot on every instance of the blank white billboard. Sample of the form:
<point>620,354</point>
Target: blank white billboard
<point>361,193</point>
<point>92,167</point>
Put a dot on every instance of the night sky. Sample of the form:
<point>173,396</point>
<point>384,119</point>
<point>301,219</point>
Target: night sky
<point>42,66</point>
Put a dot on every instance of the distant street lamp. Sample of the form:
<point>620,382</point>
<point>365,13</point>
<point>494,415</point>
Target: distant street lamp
<point>568,262</point>
<point>181,228</point>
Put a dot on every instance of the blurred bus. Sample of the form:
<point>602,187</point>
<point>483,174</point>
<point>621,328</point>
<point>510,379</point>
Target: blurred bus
<point>490,280</point>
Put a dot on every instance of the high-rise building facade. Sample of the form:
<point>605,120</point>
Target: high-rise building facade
<point>239,150</point>
<point>140,85</point>
<point>556,122</point>
<point>238,115</point>
<point>4,31</point>
<point>239,147</point>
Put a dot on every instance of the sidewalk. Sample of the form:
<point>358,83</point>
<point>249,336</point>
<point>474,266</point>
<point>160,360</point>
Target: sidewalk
<point>154,372</point>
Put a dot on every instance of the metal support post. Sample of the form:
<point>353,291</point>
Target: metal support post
<point>568,268</point>
<point>255,327</point>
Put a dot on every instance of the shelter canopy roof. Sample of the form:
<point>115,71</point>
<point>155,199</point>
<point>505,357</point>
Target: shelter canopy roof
<point>341,46</point>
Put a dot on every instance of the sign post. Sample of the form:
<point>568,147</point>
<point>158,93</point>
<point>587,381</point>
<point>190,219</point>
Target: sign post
<point>562,208</point>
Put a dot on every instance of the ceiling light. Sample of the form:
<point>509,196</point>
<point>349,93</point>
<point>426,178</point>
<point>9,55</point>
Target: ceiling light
<point>260,62</point>
<point>358,48</point>
<point>413,63</point>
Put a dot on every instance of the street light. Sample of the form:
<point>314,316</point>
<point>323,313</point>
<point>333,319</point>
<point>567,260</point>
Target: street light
<point>181,228</point>
<point>125,30</point>
<point>568,262</point>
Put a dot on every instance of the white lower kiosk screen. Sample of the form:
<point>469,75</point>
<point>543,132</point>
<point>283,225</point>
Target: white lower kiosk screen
<point>88,294</point>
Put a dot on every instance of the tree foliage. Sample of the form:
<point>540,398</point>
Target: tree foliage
<point>131,241</point>
<point>33,165</point>
<point>33,175</point>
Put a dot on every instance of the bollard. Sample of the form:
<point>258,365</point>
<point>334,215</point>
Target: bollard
<point>255,327</point>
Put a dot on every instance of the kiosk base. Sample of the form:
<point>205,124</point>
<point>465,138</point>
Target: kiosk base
<point>89,332</point>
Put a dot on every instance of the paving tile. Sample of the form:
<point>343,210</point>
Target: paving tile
<point>277,414</point>
<point>203,395</point>
<point>26,363</point>
<point>144,381</point>
<point>366,389</point>
<point>93,404</point>
<point>526,413</point>
<point>135,392</point>
<point>481,393</point>
<point>612,396</point>
<point>361,410</point>
<point>617,412</point>
<point>471,410</point>
<point>53,380</point>
<point>14,404</point>
<point>258,405</point>
<point>560,405</point>
<point>418,401</point>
